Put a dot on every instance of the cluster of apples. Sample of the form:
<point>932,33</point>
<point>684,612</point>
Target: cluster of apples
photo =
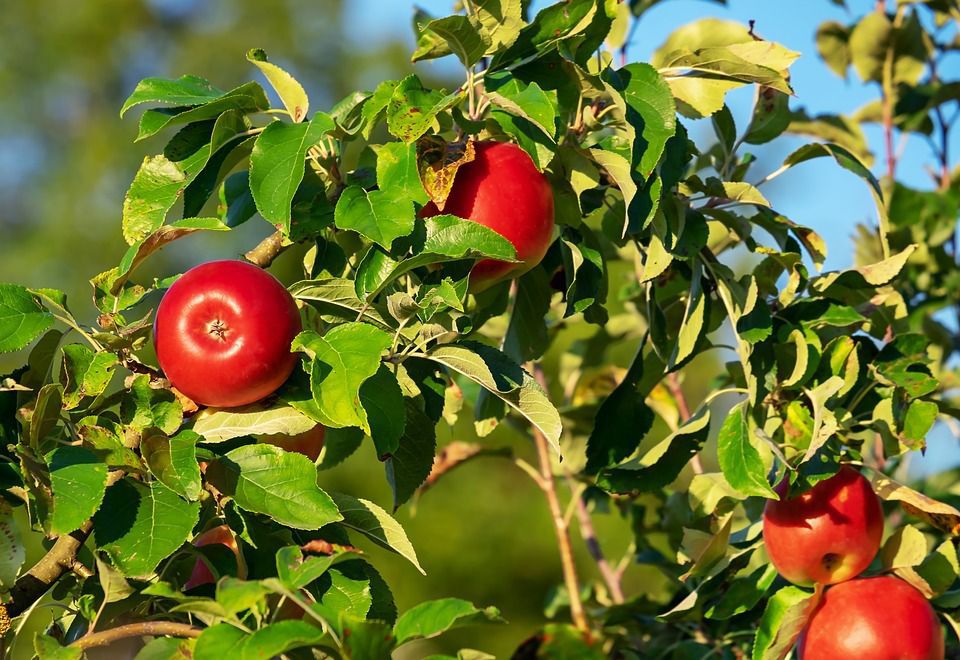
<point>828,536</point>
<point>223,330</point>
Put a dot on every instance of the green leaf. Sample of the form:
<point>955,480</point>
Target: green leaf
<point>283,485</point>
<point>377,525</point>
<point>435,617</point>
<point>550,26</point>
<point>824,421</point>
<point>46,414</point>
<point>382,399</point>
<point>343,359</point>
<point>692,327</point>
<point>397,171</point>
<point>78,480</point>
<point>173,460</point>
<point>438,239</point>
<point>144,406</point>
<point>905,548</point>
<point>618,168</point>
<point>276,639</point>
<point>368,640</point>
<point>256,419</point>
<point>290,91</point>
<point>380,215</point>
<point>650,109</point>
<point>500,21</point>
<point>526,337</point>
<point>167,648</point>
<point>236,200</point>
<point>186,90</point>
<point>412,109</point>
<point>13,552</point>
<point>277,165</point>
<point>920,418</point>
<point>22,318</point>
<point>155,188</point>
<point>771,116</point>
<point>137,253</point>
<point>343,597</point>
<point>740,462</point>
<point>139,525</point>
<point>49,649</point>
<point>783,620</point>
<point>340,297</point>
<point>296,571</point>
<point>586,273</point>
<point>833,46</point>
<point>87,373</point>
<point>463,37</point>
<point>621,421</point>
<point>219,641</point>
<point>662,464</point>
<point>868,44</point>
<point>411,462</point>
<point>246,98</point>
<point>494,371</point>
<point>527,100</point>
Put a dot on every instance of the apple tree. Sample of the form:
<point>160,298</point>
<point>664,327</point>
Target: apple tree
<point>544,248</point>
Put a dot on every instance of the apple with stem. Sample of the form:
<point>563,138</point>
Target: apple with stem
<point>502,189</point>
<point>826,535</point>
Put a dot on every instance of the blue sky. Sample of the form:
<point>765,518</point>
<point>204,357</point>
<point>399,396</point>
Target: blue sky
<point>818,193</point>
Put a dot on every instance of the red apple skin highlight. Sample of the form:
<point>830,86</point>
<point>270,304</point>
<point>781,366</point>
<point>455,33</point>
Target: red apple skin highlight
<point>878,618</point>
<point>503,190</point>
<point>826,535</point>
<point>223,333</point>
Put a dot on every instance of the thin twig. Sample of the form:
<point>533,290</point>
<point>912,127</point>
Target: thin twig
<point>549,488</point>
<point>141,629</point>
<point>673,384</point>
<point>610,576</point>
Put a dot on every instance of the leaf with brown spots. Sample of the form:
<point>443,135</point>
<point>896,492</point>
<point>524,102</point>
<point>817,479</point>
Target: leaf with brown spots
<point>936,513</point>
<point>438,162</point>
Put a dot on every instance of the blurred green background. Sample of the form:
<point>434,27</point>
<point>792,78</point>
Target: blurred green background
<point>66,160</point>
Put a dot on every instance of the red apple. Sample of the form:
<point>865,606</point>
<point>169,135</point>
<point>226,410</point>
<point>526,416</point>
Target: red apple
<point>873,618</point>
<point>223,333</point>
<point>826,535</point>
<point>503,190</point>
<point>308,443</point>
<point>201,572</point>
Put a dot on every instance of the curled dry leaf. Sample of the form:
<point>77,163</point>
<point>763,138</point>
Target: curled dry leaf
<point>940,515</point>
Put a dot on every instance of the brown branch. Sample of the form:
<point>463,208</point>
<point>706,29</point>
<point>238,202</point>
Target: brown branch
<point>267,250</point>
<point>673,384</point>
<point>141,629</point>
<point>59,560</point>
<point>611,577</point>
<point>549,487</point>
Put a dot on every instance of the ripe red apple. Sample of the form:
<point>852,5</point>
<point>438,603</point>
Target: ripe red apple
<point>223,333</point>
<point>880,617</point>
<point>503,190</point>
<point>826,535</point>
<point>201,572</point>
<point>308,443</point>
